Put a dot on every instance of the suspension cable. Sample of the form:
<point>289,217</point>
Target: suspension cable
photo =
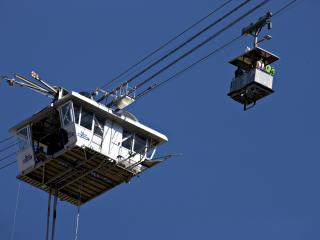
<point>6,139</point>
<point>7,165</point>
<point>15,212</point>
<point>197,47</point>
<point>78,210</point>
<point>187,68</point>
<point>177,48</point>
<point>8,147</point>
<point>77,223</point>
<point>167,43</point>
<point>285,7</point>
<point>154,86</point>
<point>8,156</point>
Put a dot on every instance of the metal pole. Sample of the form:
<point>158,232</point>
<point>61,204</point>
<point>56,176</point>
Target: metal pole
<point>255,41</point>
<point>48,216</point>
<point>54,214</point>
<point>77,226</point>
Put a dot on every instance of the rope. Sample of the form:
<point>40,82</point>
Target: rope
<point>156,85</point>
<point>77,226</point>
<point>78,210</point>
<point>15,213</point>
<point>9,146</point>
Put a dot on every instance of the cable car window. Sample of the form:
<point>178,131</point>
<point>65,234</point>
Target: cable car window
<point>140,144</point>
<point>86,119</point>
<point>127,139</point>
<point>98,126</point>
<point>23,139</point>
<point>76,109</point>
<point>66,114</point>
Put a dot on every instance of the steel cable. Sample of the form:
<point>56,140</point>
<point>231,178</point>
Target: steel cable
<point>8,156</point>
<point>154,86</point>
<point>177,48</point>
<point>197,47</point>
<point>8,147</point>
<point>187,68</point>
<point>6,139</point>
<point>7,165</point>
<point>167,43</point>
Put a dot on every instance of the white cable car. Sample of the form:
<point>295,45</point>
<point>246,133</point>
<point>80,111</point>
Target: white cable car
<point>81,149</point>
<point>254,75</point>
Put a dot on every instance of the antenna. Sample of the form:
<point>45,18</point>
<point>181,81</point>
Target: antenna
<point>40,86</point>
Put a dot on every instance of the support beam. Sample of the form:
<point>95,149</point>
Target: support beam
<point>70,170</point>
<point>83,175</point>
<point>54,216</point>
<point>48,216</point>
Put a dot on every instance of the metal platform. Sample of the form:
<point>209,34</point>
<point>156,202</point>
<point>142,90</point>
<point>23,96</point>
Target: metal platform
<point>79,175</point>
<point>250,93</point>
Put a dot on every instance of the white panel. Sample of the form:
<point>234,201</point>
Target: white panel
<point>97,140</point>
<point>106,137</point>
<point>264,78</point>
<point>26,159</point>
<point>84,136</point>
<point>115,140</point>
<point>254,75</point>
<point>111,139</point>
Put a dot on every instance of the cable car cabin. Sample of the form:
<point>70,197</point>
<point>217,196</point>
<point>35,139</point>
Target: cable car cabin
<point>81,148</point>
<point>253,78</point>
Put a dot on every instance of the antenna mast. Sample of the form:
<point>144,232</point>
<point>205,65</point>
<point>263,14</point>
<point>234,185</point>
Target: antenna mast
<point>38,85</point>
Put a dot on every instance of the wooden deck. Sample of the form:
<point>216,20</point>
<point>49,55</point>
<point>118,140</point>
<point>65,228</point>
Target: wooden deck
<point>79,175</point>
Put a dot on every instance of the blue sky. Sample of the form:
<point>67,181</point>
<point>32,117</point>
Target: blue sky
<point>243,175</point>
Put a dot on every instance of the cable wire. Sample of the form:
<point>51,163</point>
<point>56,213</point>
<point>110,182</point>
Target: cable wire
<point>77,223</point>
<point>7,165</point>
<point>198,46</point>
<point>190,39</point>
<point>8,147</point>
<point>78,211</point>
<point>6,157</point>
<point>187,68</point>
<point>179,47</point>
<point>285,7</point>
<point>151,88</point>
<point>15,213</point>
<point>167,43</point>
<point>6,139</point>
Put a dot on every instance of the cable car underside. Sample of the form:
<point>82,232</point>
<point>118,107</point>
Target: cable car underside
<point>80,175</point>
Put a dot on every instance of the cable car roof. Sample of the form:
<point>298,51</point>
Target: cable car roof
<point>247,60</point>
<point>99,109</point>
